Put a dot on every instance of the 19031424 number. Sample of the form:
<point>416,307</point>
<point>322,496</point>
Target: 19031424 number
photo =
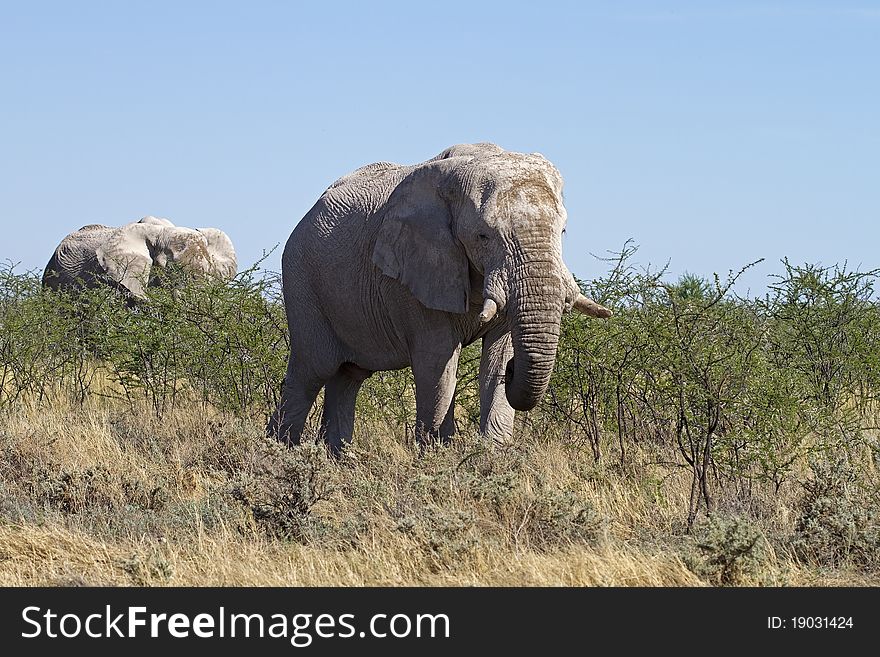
<point>821,622</point>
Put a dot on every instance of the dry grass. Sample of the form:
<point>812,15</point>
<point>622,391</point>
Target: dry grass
<point>107,496</point>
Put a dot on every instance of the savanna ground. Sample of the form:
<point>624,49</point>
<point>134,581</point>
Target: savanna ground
<point>696,438</point>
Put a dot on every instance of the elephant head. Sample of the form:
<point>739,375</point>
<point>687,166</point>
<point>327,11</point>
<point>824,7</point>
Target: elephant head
<point>477,217</point>
<point>130,253</point>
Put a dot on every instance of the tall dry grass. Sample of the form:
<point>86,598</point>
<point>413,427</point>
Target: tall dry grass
<point>103,495</point>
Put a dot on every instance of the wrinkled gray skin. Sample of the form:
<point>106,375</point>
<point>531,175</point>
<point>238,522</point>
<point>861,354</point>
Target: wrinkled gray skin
<point>125,257</point>
<point>403,265</point>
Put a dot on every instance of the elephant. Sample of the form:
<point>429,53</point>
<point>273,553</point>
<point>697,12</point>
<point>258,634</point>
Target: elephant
<point>398,266</point>
<point>124,257</point>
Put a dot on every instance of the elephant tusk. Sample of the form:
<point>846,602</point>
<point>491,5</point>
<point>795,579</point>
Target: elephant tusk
<point>589,307</point>
<point>489,310</point>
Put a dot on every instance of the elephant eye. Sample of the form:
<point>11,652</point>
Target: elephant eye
<point>483,238</point>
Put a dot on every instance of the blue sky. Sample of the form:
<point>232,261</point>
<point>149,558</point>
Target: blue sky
<point>711,133</point>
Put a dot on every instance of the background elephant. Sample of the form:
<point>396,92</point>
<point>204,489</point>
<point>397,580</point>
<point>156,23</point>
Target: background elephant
<point>125,256</point>
<point>403,265</point>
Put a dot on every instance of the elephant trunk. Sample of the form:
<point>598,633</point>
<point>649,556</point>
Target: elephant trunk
<point>535,311</point>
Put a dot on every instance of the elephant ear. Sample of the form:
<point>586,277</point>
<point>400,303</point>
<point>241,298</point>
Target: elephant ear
<point>415,245</point>
<point>126,260</point>
<point>221,253</point>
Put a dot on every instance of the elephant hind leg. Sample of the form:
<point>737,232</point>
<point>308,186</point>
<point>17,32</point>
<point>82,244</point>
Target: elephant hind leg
<point>340,396</point>
<point>298,394</point>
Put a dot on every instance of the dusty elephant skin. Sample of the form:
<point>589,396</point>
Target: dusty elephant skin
<point>403,265</point>
<point>125,257</point>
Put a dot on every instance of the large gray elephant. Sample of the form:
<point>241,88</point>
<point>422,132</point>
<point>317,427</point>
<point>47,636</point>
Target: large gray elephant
<point>125,256</point>
<point>403,265</point>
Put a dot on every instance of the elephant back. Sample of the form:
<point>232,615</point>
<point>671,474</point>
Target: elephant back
<point>155,221</point>
<point>74,264</point>
<point>470,151</point>
<point>366,174</point>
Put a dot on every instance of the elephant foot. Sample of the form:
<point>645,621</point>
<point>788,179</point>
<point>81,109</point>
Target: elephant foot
<point>276,430</point>
<point>335,446</point>
<point>432,438</point>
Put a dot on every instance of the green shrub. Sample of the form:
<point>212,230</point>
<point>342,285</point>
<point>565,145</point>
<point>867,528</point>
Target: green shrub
<point>284,488</point>
<point>96,489</point>
<point>839,516</point>
<point>731,551</point>
<point>446,535</point>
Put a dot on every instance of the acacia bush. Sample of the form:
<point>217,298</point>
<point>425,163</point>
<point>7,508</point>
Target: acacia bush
<point>736,390</point>
<point>224,344</point>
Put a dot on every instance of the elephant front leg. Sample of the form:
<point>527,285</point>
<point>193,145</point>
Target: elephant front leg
<point>434,374</point>
<point>496,414</point>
